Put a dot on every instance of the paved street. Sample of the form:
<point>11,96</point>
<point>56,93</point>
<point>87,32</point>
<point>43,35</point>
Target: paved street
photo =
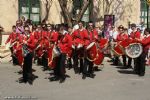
<point>109,84</point>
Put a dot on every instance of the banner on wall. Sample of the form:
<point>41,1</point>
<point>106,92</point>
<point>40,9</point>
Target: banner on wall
<point>109,20</point>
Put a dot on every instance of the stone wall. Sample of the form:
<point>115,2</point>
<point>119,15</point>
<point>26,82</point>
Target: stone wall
<point>124,11</point>
<point>8,13</point>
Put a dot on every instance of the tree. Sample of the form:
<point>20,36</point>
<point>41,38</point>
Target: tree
<point>48,4</point>
<point>68,15</point>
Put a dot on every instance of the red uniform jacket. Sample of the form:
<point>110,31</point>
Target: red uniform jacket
<point>64,43</point>
<point>146,43</point>
<point>78,36</point>
<point>18,49</point>
<point>53,36</point>
<point>12,37</point>
<point>30,42</point>
<point>36,36</point>
<point>90,36</point>
<point>135,35</point>
<point>121,37</point>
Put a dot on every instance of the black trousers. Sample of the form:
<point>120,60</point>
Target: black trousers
<point>140,63</point>
<point>59,70</point>
<point>45,62</point>
<point>76,60</point>
<point>129,61</point>
<point>39,61</point>
<point>124,60</point>
<point>116,61</point>
<point>14,58</point>
<point>88,67</point>
<point>27,67</point>
<point>69,63</point>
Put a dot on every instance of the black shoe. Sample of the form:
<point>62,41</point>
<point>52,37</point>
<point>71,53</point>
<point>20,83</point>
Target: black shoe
<point>136,72</point>
<point>20,72</point>
<point>126,67</point>
<point>84,77</point>
<point>141,74</point>
<point>129,66</point>
<point>76,71</point>
<point>44,69</point>
<point>91,75</point>
<point>30,81</point>
<point>22,81</point>
<point>96,69</point>
<point>62,80</point>
<point>54,78</point>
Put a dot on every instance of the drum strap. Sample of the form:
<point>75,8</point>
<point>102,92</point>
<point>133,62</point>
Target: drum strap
<point>79,34</point>
<point>92,36</point>
<point>50,35</point>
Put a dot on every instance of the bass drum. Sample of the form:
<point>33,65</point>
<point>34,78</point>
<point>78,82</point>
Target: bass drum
<point>134,50</point>
<point>69,53</point>
<point>103,43</point>
<point>99,59</point>
<point>91,51</point>
<point>117,50</point>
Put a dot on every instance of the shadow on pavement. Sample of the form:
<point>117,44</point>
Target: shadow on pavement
<point>30,80</point>
<point>126,71</point>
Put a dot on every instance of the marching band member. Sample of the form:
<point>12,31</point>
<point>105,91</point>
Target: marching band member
<point>133,35</point>
<point>35,34</point>
<point>39,44</point>
<point>141,60</point>
<point>53,39</point>
<point>12,39</point>
<point>28,46</point>
<point>90,36</point>
<point>121,37</point>
<point>78,42</point>
<point>70,50</point>
<point>45,45</point>
<point>63,45</point>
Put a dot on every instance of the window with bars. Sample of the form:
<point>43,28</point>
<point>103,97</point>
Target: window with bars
<point>30,9</point>
<point>144,12</point>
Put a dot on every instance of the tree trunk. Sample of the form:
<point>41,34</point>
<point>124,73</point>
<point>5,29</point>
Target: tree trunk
<point>47,8</point>
<point>83,9</point>
<point>65,12</point>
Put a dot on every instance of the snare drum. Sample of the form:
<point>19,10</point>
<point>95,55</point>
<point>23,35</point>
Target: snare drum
<point>91,51</point>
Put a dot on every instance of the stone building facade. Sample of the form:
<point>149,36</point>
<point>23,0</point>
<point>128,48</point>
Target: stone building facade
<point>125,11</point>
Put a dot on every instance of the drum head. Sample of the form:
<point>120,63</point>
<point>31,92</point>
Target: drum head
<point>134,50</point>
<point>56,52</point>
<point>90,45</point>
<point>103,43</point>
<point>92,52</point>
<point>117,50</point>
